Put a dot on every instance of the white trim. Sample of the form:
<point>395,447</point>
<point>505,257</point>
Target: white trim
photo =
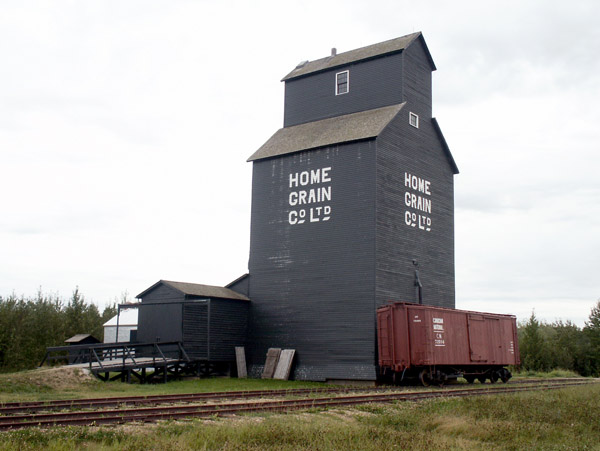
<point>413,119</point>
<point>337,85</point>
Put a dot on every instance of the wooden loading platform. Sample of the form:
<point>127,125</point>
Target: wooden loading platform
<point>146,362</point>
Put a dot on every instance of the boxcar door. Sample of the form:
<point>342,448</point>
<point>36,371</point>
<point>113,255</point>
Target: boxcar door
<point>478,343</point>
<point>495,341</point>
<point>385,337</point>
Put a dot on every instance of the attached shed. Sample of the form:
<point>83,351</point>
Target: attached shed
<point>210,321</point>
<point>124,325</point>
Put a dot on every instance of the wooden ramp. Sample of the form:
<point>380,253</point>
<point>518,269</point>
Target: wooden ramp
<point>147,362</point>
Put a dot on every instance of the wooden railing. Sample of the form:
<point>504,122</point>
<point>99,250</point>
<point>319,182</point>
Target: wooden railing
<point>160,352</point>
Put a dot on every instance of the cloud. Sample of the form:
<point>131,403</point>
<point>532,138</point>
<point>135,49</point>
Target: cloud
<point>125,126</point>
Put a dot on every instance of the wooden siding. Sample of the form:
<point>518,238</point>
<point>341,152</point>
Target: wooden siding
<point>196,329</point>
<point>312,284</point>
<point>209,328</point>
<point>160,321</point>
<point>417,79</point>
<point>240,285</point>
<point>373,84</point>
<point>228,328</point>
<point>403,149</point>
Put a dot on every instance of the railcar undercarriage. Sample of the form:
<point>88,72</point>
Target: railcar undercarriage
<point>440,375</point>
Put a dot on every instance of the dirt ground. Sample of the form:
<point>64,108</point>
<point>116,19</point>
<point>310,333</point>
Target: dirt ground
<point>59,378</point>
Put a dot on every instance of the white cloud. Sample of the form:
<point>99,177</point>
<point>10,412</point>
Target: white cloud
<point>125,126</point>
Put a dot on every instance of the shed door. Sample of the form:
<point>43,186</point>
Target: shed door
<point>477,338</point>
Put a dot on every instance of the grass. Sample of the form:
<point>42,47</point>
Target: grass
<point>557,419</point>
<point>75,383</point>
<point>545,375</point>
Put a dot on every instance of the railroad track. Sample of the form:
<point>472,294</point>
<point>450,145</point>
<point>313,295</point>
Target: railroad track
<point>229,404</point>
<point>91,403</point>
<point>95,403</point>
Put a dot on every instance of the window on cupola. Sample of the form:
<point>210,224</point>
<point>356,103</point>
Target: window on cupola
<point>342,82</point>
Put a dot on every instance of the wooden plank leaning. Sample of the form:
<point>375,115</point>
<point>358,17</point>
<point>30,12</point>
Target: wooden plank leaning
<point>240,360</point>
<point>271,363</point>
<point>284,366</point>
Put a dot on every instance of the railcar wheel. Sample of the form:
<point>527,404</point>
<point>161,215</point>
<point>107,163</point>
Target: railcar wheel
<point>424,378</point>
<point>470,379</point>
<point>505,375</point>
<point>494,377</point>
<point>481,379</point>
<point>440,378</point>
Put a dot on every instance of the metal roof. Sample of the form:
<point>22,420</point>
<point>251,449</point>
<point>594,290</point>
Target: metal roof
<point>326,132</point>
<point>372,51</point>
<point>196,289</point>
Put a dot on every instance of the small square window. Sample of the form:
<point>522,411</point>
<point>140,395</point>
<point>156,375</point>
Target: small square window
<point>342,82</point>
<point>413,120</point>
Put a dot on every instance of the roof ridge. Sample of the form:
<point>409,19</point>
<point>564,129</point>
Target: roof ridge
<point>332,130</point>
<point>362,53</point>
<point>209,291</point>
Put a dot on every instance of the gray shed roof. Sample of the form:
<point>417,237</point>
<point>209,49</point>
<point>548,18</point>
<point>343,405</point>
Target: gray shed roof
<point>196,289</point>
<point>80,337</point>
<point>326,132</point>
<point>363,53</point>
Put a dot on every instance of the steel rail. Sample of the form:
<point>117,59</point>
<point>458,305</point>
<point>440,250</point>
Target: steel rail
<point>37,406</point>
<point>90,403</point>
<point>205,410</point>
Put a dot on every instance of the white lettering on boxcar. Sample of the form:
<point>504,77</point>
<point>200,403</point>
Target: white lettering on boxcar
<point>417,202</point>
<point>314,197</point>
<point>438,332</point>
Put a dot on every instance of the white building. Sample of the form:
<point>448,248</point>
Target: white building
<point>127,322</point>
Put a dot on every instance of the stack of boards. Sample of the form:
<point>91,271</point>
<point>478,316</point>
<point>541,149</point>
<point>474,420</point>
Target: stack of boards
<point>277,366</point>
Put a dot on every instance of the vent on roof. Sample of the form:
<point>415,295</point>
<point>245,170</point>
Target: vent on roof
<point>333,51</point>
<point>301,64</point>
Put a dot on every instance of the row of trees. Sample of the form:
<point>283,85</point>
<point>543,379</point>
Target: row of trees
<point>29,325</point>
<point>561,345</point>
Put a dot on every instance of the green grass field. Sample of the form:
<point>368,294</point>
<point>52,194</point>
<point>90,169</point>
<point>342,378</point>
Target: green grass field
<point>559,419</point>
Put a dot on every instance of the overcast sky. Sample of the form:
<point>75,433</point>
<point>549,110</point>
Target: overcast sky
<point>125,127</point>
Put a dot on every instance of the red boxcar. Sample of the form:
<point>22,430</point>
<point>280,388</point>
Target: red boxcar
<point>436,344</point>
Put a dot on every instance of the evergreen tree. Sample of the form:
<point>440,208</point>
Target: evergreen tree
<point>592,332</point>
<point>29,325</point>
<point>534,355</point>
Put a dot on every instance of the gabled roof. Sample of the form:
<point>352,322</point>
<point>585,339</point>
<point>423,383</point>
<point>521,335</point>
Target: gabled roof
<point>196,289</point>
<point>326,132</point>
<point>239,279</point>
<point>364,53</point>
<point>81,337</point>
